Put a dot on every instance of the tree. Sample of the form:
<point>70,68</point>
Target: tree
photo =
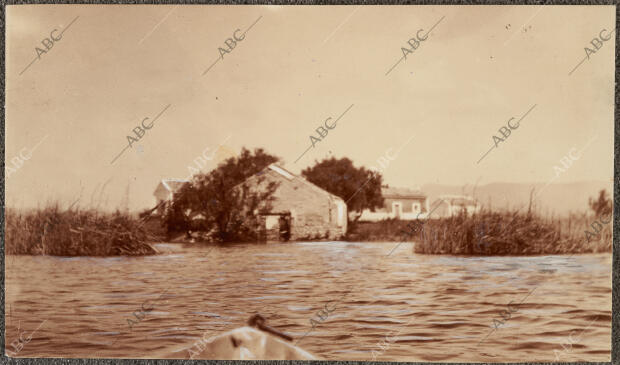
<point>176,218</point>
<point>601,206</point>
<point>360,188</point>
<point>227,205</point>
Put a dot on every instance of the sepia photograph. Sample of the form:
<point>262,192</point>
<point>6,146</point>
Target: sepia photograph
<point>393,183</point>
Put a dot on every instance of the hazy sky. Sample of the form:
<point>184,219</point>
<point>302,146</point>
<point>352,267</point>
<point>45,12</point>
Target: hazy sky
<point>297,66</point>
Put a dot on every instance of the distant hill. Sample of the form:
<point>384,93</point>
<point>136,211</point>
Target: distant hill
<point>555,198</point>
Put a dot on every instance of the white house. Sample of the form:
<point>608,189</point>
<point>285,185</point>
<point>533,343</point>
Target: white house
<point>450,205</point>
<point>399,203</point>
<point>165,190</point>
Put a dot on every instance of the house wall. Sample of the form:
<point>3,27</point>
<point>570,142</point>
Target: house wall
<point>387,211</point>
<point>441,208</point>
<point>161,194</point>
<point>447,210</point>
<point>368,216</point>
<point>313,215</point>
<point>406,204</point>
<point>470,209</point>
<point>314,212</point>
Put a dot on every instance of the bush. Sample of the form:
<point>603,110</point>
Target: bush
<point>225,203</point>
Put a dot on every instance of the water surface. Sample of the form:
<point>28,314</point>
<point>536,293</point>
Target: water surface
<point>433,308</point>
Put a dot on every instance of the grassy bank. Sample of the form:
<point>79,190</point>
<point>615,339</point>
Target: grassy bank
<point>52,231</point>
<point>492,233</point>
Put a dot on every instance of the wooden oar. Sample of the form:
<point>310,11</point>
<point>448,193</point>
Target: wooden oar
<point>258,321</point>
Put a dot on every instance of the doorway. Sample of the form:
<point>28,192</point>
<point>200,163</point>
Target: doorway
<point>397,209</point>
<point>285,227</point>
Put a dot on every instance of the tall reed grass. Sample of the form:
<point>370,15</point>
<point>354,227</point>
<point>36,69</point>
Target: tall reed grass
<point>53,231</point>
<point>492,233</point>
<point>510,233</point>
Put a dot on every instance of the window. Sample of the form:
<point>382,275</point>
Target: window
<point>416,207</point>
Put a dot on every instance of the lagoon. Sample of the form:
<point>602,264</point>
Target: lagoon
<point>436,307</point>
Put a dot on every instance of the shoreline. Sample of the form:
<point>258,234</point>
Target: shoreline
<point>212,245</point>
<point>74,233</point>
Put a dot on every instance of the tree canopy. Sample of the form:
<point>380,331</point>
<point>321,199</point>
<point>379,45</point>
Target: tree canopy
<point>359,187</point>
<point>221,200</point>
<point>601,206</point>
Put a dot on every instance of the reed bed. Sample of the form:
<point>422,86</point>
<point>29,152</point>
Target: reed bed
<point>493,233</point>
<point>53,231</point>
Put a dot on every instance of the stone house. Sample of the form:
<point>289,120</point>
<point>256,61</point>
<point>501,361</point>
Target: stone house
<point>399,203</point>
<point>299,210</point>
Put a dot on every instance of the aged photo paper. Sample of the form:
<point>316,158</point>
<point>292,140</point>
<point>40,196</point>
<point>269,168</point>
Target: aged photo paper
<point>365,183</point>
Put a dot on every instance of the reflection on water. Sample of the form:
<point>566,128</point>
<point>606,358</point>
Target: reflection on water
<point>439,307</point>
